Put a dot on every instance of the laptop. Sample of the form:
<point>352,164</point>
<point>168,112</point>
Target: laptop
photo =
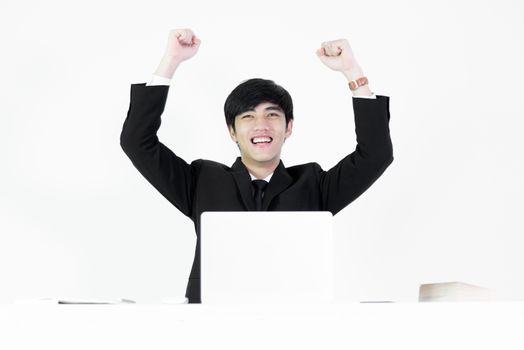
<point>267,257</point>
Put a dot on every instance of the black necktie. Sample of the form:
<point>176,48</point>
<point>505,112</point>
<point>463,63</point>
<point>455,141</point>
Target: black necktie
<point>259,186</point>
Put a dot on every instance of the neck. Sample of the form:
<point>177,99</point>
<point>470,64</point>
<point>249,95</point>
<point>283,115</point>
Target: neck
<point>261,170</point>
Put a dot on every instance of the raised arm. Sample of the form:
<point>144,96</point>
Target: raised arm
<point>168,173</point>
<point>374,151</point>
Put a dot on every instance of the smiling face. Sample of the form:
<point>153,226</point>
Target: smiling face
<point>260,134</point>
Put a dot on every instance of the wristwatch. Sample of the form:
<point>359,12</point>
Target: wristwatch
<point>355,84</point>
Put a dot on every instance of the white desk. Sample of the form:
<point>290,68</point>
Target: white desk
<point>488,325</point>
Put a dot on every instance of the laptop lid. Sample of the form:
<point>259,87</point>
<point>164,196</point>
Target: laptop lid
<point>266,257</point>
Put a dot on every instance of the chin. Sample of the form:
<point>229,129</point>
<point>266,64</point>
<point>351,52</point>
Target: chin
<point>263,158</point>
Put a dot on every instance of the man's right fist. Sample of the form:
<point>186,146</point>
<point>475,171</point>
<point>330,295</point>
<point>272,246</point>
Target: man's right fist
<point>182,44</point>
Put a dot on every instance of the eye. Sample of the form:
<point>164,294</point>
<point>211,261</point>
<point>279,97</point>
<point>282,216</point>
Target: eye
<point>247,116</point>
<point>273,115</point>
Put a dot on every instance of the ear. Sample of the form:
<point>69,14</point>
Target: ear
<point>289,128</point>
<point>232,133</point>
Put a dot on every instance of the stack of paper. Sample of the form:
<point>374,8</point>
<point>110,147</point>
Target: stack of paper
<point>73,301</point>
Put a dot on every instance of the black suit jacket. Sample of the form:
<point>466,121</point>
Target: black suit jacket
<point>205,185</point>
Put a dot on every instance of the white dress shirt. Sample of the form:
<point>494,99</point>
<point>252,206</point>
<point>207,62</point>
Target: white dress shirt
<point>267,178</point>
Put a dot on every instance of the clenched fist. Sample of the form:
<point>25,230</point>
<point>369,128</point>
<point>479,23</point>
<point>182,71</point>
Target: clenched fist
<point>337,55</point>
<point>182,44</point>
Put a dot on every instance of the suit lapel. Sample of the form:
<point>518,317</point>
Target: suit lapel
<point>278,183</point>
<point>243,181</point>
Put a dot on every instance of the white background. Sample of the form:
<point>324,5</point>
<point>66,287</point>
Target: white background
<point>76,218</point>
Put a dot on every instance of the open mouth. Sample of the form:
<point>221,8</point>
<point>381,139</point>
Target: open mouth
<point>261,140</point>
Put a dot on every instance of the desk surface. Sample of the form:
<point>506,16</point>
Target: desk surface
<point>466,325</point>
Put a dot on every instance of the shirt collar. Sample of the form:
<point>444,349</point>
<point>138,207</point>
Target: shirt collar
<point>267,178</point>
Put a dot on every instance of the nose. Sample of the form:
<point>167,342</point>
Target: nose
<point>261,123</point>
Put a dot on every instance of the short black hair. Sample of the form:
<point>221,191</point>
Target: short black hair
<point>250,93</point>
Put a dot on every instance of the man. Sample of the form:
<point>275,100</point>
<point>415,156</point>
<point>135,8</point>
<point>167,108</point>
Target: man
<point>259,115</point>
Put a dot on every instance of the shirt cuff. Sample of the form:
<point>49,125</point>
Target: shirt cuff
<point>372,96</point>
<point>158,80</point>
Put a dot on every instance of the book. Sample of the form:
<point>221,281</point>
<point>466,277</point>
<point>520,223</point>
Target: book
<point>454,291</point>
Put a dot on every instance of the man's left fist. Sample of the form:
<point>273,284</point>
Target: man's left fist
<point>337,55</point>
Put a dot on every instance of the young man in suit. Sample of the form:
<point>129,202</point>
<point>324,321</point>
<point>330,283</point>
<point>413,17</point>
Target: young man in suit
<point>259,115</point>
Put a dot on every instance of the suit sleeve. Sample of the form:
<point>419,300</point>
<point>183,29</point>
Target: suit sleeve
<point>168,173</point>
<point>354,174</point>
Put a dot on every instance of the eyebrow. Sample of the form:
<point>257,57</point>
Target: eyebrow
<point>270,108</point>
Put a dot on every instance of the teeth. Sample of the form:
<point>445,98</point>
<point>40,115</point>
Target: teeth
<point>261,139</point>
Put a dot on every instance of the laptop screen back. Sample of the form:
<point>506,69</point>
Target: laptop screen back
<point>266,257</point>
